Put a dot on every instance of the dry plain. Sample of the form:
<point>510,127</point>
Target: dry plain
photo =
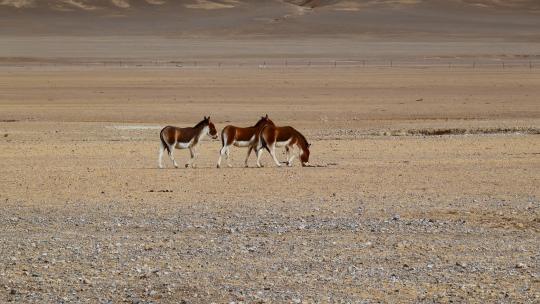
<point>389,211</point>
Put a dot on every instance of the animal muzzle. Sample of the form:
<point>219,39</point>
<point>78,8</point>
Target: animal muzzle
<point>215,136</point>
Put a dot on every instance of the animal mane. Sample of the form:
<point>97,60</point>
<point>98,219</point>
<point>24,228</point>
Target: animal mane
<point>201,123</point>
<point>268,121</point>
<point>258,122</point>
<point>302,137</point>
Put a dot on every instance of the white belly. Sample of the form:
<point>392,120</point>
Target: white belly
<point>246,143</point>
<point>242,143</point>
<point>183,145</point>
<point>282,143</point>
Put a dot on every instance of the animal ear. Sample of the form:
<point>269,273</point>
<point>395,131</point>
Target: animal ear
<point>208,118</point>
<point>266,116</point>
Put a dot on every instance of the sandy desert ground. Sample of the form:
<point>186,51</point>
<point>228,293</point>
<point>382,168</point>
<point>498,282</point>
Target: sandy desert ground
<point>424,119</point>
<point>390,211</point>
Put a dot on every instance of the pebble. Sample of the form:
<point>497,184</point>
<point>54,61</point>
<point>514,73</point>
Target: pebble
<point>521,266</point>
<point>151,258</point>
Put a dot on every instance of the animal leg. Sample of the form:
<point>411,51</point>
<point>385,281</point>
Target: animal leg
<point>195,155</point>
<point>228,160</point>
<point>160,157</point>
<point>258,152</point>
<point>273,153</point>
<point>289,160</point>
<point>247,157</point>
<point>172,156</point>
<point>221,153</point>
<point>192,152</point>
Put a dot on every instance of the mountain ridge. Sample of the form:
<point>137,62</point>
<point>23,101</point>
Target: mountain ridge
<point>507,20</point>
<point>93,5</point>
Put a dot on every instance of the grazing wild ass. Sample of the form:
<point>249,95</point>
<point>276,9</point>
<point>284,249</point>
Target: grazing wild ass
<point>185,138</point>
<point>288,137</point>
<point>241,137</point>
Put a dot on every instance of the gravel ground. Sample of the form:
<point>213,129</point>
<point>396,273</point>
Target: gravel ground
<point>268,252</point>
<point>88,218</point>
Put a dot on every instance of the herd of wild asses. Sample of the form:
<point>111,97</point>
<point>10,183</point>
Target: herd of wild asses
<point>264,134</point>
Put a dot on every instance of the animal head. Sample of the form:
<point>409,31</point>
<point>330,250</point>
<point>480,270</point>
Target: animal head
<point>304,156</point>
<point>212,132</point>
<point>264,121</point>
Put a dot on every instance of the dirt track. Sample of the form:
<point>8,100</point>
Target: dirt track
<point>88,216</point>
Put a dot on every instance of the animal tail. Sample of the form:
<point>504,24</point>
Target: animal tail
<point>163,141</point>
<point>263,142</point>
<point>223,137</point>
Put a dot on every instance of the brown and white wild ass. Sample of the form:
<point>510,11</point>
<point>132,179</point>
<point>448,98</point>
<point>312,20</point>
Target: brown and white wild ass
<point>288,137</point>
<point>241,137</point>
<point>185,138</point>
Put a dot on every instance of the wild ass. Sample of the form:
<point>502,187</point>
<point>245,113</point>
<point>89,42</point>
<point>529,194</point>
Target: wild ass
<point>241,137</point>
<point>288,137</point>
<point>185,138</point>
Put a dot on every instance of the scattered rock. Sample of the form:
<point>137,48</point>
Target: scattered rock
<point>521,266</point>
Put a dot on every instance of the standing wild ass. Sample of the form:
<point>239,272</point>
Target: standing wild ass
<point>241,137</point>
<point>185,138</point>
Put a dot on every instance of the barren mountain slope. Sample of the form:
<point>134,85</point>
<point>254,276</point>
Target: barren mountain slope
<point>509,20</point>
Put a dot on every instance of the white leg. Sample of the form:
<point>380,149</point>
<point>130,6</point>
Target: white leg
<point>221,153</point>
<point>228,160</point>
<point>195,155</point>
<point>190,161</point>
<point>289,161</point>
<point>273,153</point>
<point>172,155</point>
<point>247,157</point>
<point>258,152</point>
<point>160,158</point>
